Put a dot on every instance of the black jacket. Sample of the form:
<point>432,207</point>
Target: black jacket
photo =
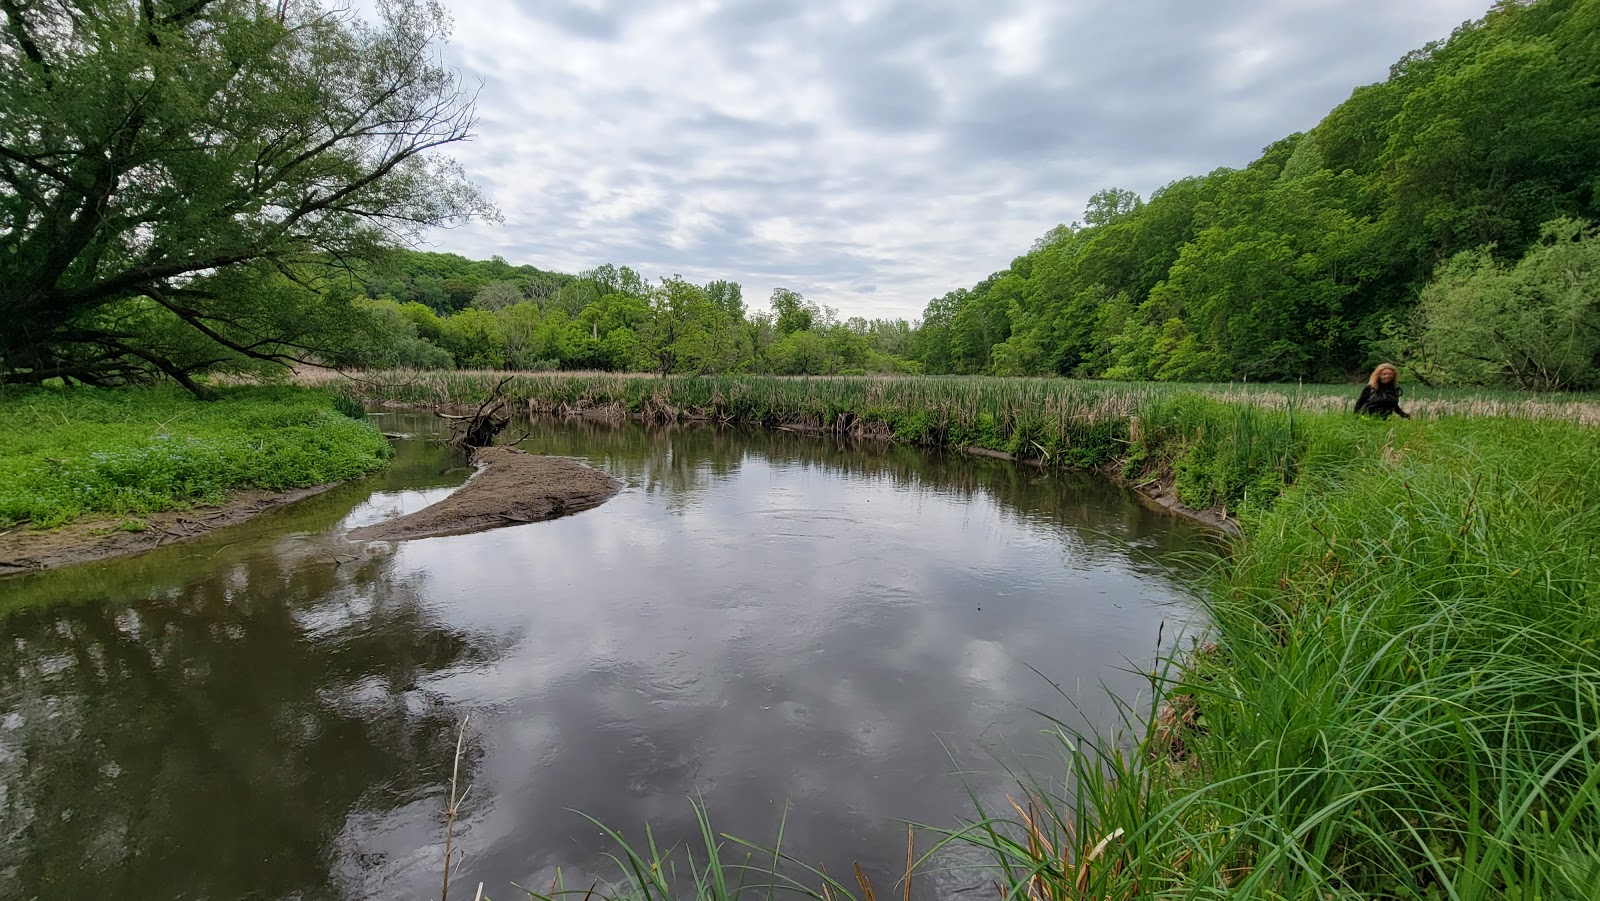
<point>1380,401</point>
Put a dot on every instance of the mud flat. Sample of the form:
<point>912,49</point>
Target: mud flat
<point>511,487</point>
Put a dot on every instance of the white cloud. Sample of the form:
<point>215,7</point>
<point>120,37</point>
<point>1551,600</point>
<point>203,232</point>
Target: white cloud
<point>910,145</point>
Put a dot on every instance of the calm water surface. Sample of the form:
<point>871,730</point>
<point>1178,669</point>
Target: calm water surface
<point>759,620</point>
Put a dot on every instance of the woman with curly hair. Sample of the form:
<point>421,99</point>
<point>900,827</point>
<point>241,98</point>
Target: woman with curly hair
<point>1381,396</point>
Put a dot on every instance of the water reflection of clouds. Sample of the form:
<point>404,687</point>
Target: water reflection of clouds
<point>801,633</point>
<point>757,620</point>
<point>386,505</point>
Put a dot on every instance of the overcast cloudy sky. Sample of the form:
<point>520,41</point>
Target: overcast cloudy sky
<point>873,154</point>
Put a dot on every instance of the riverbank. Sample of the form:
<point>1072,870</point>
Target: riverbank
<point>1398,695</point>
<point>87,474</point>
<point>1192,453</point>
<point>1399,701</point>
<point>103,538</point>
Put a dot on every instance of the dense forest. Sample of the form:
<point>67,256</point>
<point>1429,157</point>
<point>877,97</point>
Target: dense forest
<point>244,211</point>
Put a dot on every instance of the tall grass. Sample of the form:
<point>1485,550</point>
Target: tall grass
<point>692,394</point>
<point>722,868</point>
<point>1401,701</point>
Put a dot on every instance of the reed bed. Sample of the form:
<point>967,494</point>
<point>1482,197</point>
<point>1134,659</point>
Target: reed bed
<point>581,390</point>
<point>1212,452</point>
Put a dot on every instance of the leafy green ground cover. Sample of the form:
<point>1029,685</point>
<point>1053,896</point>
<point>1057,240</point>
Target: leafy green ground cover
<point>67,454</point>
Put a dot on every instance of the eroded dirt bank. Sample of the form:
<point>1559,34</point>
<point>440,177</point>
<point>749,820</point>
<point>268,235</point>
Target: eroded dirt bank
<point>22,550</point>
<point>511,487</point>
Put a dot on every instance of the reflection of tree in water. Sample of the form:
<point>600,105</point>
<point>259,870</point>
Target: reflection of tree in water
<point>679,460</point>
<point>213,744</point>
<point>1097,518</point>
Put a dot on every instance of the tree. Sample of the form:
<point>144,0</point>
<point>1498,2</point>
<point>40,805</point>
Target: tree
<point>678,333</point>
<point>1109,205</point>
<point>1534,325</point>
<point>792,312</point>
<point>162,160</point>
<point>1315,253</point>
<point>729,297</point>
<point>498,296</point>
<point>476,339</point>
<point>390,340</point>
<point>520,323</point>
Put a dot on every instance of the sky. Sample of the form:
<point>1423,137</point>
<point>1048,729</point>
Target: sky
<point>875,154</point>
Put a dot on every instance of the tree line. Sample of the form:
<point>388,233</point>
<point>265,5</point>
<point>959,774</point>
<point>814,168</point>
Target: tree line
<point>433,310</point>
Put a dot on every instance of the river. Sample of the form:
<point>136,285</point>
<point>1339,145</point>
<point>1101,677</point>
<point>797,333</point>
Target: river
<point>780,626</point>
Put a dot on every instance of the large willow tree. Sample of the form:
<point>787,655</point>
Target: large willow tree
<point>173,173</point>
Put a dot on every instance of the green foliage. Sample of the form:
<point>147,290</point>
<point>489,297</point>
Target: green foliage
<point>1293,267</point>
<point>180,177</point>
<point>446,282</point>
<point>612,319</point>
<point>1532,325</point>
<point>475,339</point>
<point>627,324</point>
<point>69,453</point>
<point>393,338</point>
<point>792,312</point>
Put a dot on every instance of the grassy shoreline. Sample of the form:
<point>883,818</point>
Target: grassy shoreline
<point>71,454</point>
<point>1402,699</point>
<point>1212,450</point>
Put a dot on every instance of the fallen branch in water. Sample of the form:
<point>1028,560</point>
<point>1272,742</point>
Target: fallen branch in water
<point>480,428</point>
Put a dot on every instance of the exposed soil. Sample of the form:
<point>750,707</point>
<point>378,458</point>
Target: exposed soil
<point>511,487</point>
<point>1163,497</point>
<point>23,550</point>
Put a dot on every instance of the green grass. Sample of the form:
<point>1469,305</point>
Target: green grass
<point>708,395</point>
<point>1401,701</point>
<point>71,453</point>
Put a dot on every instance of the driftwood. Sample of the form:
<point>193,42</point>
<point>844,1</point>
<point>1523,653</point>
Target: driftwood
<point>479,429</point>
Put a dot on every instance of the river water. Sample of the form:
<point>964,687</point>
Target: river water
<point>779,626</point>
